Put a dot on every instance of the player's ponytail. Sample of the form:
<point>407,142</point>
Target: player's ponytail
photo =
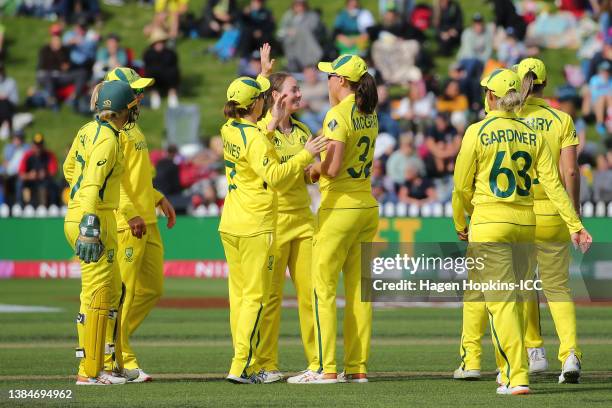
<point>509,102</point>
<point>366,94</point>
<point>232,110</point>
<point>529,87</point>
<point>276,84</point>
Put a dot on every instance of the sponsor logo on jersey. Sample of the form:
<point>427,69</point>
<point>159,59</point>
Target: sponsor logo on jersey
<point>142,145</point>
<point>101,162</point>
<point>266,160</point>
<point>110,256</point>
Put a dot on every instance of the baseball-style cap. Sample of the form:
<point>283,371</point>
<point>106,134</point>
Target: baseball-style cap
<point>245,90</point>
<point>352,67</point>
<point>115,96</point>
<point>501,81</point>
<point>130,76</point>
<point>39,139</point>
<point>534,65</point>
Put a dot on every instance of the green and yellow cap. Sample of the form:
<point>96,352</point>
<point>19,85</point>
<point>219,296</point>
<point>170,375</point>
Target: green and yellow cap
<point>130,76</point>
<point>534,65</point>
<point>351,67</point>
<point>501,81</point>
<point>245,90</point>
<point>115,96</point>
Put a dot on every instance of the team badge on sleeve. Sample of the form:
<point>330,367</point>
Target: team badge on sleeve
<point>128,254</point>
<point>110,256</point>
<point>332,125</point>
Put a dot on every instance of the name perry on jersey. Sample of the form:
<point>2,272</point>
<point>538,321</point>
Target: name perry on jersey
<point>508,135</point>
<point>231,149</point>
<point>538,123</point>
<point>365,122</point>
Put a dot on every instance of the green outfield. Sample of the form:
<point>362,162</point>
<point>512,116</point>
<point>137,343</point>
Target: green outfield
<point>186,344</point>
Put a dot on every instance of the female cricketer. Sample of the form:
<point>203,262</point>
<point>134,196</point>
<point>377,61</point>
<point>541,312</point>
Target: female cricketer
<point>499,161</point>
<point>294,229</point>
<point>551,234</point>
<point>348,217</point>
<point>248,221</point>
<point>93,169</point>
<point>551,243</point>
<point>140,247</point>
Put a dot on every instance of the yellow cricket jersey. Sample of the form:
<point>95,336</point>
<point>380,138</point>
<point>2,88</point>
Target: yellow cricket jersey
<point>253,172</point>
<point>93,170</point>
<point>558,129</point>
<point>137,195</point>
<point>351,188</point>
<point>294,193</point>
<point>499,159</point>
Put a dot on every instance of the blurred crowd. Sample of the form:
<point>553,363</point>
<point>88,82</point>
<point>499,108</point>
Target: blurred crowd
<point>424,107</point>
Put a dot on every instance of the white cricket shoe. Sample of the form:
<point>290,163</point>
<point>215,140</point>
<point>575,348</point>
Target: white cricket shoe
<point>518,390</point>
<point>570,373</point>
<point>537,360</point>
<point>271,376</point>
<point>311,377</point>
<point>103,379</point>
<point>138,376</point>
<point>469,375</point>
<point>498,379</point>
<point>352,378</point>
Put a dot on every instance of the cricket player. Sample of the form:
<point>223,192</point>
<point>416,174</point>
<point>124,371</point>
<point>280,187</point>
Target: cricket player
<point>93,169</point>
<point>348,217</point>
<point>140,248</point>
<point>294,230</point>
<point>248,221</point>
<point>499,161</point>
<point>552,243</point>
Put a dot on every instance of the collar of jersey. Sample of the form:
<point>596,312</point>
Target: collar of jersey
<point>349,98</point>
<point>109,125</point>
<point>245,121</point>
<point>536,101</point>
<point>501,114</point>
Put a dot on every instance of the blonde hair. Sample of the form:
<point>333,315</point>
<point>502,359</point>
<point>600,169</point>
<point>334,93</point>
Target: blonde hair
<point>510,102</point>
<point>527,86</point>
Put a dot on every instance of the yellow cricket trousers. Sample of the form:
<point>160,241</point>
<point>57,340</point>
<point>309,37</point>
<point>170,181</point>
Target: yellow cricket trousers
<point>294,231</point>
<point>94,276</point>
<point>494,234</point>
<point>141,262</point>
<point>553,258</point>
<point>251,265</point>
<point>337,247</point>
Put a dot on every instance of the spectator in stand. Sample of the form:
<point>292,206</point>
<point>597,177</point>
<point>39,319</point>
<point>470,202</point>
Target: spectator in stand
<point>109,57</point>
<point>600,91</point>
<point>416,110</point>
<point>315,99</point>
<point>476,44</point>
<point>301,33</point>
<point>393,23</point>
<point>454,103</point>
<point>218,14</point>
<point>511,50</point>
<point>250,66</point>
<point>475,50</point>
<point>12,155</point>
<point>168,181</point>
<point>350,28</point>
<point>442,143</point>
<point>448,21</point>
<point>171,11</point>
<point>161,63</point>
<point>82,43</point>
<point>38,166</point>
<point>383,188</point>
<point>386,123</point>
<point>53,70</point>
<point>604,55</point>
<point>75,10</point>
<point>256,28</point>
<point>416,189</point>
<point>506,16</point>
<point>2,44</point>
<point>602,178</point>
<point>9,99</point>
<point>401,159</point>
